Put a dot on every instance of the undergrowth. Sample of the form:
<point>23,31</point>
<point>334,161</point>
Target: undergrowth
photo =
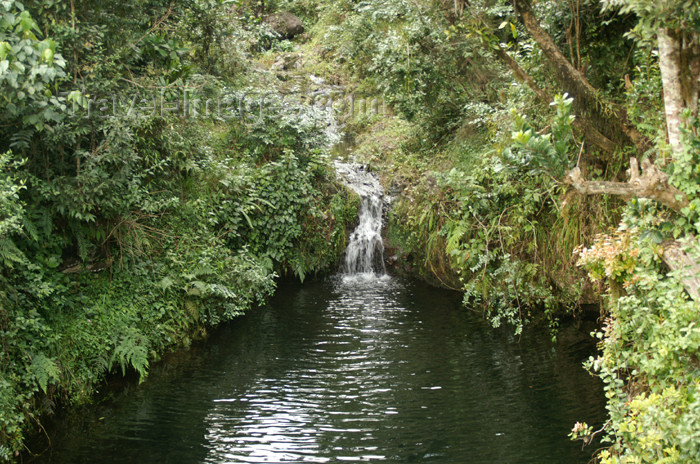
<point>127,234</point>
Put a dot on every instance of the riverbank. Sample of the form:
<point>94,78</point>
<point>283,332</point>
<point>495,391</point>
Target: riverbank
<point>196,270</point>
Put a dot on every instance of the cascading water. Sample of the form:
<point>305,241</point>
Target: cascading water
<point>364,254</point>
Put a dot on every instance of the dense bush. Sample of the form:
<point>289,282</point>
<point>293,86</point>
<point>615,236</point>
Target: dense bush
<point>126,234</point>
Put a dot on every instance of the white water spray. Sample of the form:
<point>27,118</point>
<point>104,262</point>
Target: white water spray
<point>364,254</point>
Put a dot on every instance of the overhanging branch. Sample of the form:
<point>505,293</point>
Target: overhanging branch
<point>652,183</point>
<point>587,99</point>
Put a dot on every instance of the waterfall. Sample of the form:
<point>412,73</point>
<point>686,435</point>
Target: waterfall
<point>364,254</point>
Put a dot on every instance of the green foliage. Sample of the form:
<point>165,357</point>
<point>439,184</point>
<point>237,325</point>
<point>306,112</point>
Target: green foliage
<point>43,370</point>
<point>28,68</point>
<point>649,342</point>
<point>492,220</point>
<point>547,153</point>
<point>217,42</point>
<point>645,96</point>
<point>400,50</point>
<point>131,349</point>
<point>653,14</point>
<point>11,211</point>
<point>649,346</point>
<point>685,174</point>
<point>125,235</point>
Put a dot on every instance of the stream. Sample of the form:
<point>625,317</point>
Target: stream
<point>356,367</point>
<point>350,369</point>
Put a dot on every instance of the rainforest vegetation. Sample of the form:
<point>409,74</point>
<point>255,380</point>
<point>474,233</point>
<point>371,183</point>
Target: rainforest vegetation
<point>542,156</point>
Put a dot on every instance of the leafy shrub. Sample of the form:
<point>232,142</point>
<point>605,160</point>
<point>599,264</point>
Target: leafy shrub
<point>649,346</point>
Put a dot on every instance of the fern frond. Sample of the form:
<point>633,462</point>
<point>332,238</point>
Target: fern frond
<point>44,370</point>
<point>132,350</point>
<point>9,253</point>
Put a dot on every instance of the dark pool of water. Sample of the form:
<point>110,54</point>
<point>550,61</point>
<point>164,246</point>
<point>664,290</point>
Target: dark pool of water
<point>345,371</point>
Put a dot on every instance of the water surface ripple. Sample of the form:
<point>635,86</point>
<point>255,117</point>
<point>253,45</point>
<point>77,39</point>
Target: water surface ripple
<point>350,369</point>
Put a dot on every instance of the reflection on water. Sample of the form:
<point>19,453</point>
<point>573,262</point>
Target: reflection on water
<point>351,369</point>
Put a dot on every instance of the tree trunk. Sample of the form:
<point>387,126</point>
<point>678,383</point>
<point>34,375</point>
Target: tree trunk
<point>521,75</point>
<point>590,133</point>
<point>613,121</point>
<point>688,268</point>
<point>679,62</point>
<point>690,59</point>
<point>690,70</point>
<point>670,65</point>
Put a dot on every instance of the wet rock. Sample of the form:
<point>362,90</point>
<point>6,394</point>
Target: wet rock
<point>285,24</point>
